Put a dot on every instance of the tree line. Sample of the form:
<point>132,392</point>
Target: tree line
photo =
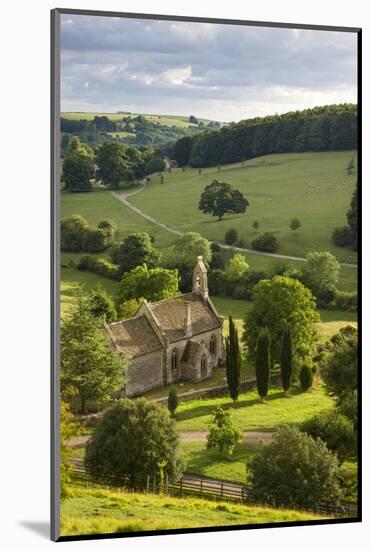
<point>331,127</point>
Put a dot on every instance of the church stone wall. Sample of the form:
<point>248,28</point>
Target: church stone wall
<point>144,373</point>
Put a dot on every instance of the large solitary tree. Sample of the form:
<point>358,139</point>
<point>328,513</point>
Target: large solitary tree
<point>321,274</point>
<point>219,198</point>
<point>136,249</point>
<point>113,164</point>
<point>233,361</point>
<point>90,366</point>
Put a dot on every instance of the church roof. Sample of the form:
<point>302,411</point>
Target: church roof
<point>134,336</point>
<point>171,314</point>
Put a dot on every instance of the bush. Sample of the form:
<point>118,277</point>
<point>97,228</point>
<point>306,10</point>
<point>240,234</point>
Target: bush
<point>216,281</point>
<point>74,231</point>
<point>349,481</point>
<point>295,471</point>
<point>334,429</point>
<point>96,240</point>
<point>100,266</point>
<point>155,164</point>
<point>110,228</point>
<point>349,407</point>
<point>266,243</point>
<point>215,247</point>
<point>217,261</point>
<point>345,301</point>
<point>230,236</point>
<point>172,400</point>
<point>306,377</point>
<point>223,435</point>
<point>342,236</point>
<point>135,438</point>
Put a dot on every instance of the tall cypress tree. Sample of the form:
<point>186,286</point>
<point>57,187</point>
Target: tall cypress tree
<point>286,359</point>
<point>233,361</point>
<point>262,364</point>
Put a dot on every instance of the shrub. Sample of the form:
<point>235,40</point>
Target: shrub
<point>217,261</point>
<point>306,377</point>
<point>172,400</point>
<point>230,236</point>
<point>134,438</point>
<point>334,429</point>
<point>155,164</point>
<point>96,240</point>
<point>295,471</point>
<point>349,407</point>
<point>215,247</point>
<point>74,231</point>
<point>216,281</point>
<point>345,301</point>
<point>100,266</point>
<point>266,242</point>
<point>223,435</point>
<point>110,228</point>
<point>342,236</point>
<point>102,305</point>
<point>349,480</point>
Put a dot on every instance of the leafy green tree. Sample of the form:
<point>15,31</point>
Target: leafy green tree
<point>128,309</point>
<point>172,400</point>
<point>277,302</point>
<point>223,435</point>
<point>348,407</point>
<point>155,164</point>
<point>154,284</point>
<point>334,429</point>
<point>182,151</point>
<point>109,227</point>
<point>233,361</point>
<point>262,363</point>
<point>89,364</point>
<point>68,428</point>
<point>78,167</point>
<point>295,224</point>
<point>286,359</point>
<point>186,249</point>
<point>352,216</point>
<point>135,439</point>
<point>193,120</point>
<point>350,166</point>
<point>135,250</point>
<point>339,369</point>
<point>342,236</point>
<point>266,242</point>
<point>113,164</point>
<point>236,269</point>
<point>306,377</point>
<point>321,274</point>
<point>295,471</point>
<point>230,236</point>
<point>96,240</point>
<point>256,225</point>
<point>102,305</point>
<point>219,198</point>
<point>74,232</point>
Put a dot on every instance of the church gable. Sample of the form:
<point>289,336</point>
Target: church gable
<point>134,337</point>
<point>184,316</point>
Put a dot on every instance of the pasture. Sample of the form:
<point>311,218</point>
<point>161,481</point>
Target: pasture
<point>98,510</point>
<point>313,187</point>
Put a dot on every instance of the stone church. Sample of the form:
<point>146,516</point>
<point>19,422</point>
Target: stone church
<point>171,340</point>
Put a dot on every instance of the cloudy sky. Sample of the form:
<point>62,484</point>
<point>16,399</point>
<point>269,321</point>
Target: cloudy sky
<point>220,72</point>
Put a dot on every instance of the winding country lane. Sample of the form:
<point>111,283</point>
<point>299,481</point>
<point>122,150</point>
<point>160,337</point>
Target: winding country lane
<point>123,197</point>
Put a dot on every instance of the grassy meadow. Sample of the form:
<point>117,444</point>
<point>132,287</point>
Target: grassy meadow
<point>98,510</point>
<point>311,186</point>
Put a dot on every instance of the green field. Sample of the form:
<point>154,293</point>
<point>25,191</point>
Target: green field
<point>311,186</point>
<point>250,414</point>
<point>97,511</point>
<point>164,120</point>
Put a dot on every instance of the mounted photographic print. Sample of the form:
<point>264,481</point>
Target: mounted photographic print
<point>205,330</point>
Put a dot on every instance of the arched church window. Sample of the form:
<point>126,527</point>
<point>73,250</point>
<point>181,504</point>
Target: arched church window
<point>213,345</point>
<point>174,359</point>
<point>203,365</point>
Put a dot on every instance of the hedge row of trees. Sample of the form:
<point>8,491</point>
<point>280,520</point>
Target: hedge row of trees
<point>332,127</point>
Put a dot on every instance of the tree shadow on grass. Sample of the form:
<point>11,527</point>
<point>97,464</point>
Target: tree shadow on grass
<point>205,410</point>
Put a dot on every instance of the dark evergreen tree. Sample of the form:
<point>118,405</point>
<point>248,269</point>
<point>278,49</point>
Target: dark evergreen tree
<point>262,363</point>
<point>286,359</point>
<point>233,361</point>
<point>172,400</point>
<point>352,216</point>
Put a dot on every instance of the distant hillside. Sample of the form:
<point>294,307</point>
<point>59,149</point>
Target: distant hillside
<point>327,128</point>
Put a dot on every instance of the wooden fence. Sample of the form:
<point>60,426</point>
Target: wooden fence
<point>198,486</point>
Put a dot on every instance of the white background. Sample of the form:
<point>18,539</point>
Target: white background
<point>24,271</point>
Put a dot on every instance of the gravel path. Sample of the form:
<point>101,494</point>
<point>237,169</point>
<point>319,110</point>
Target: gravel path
<point>124,196</point>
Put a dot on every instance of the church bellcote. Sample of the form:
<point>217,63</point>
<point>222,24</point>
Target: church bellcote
<point>200,278</point>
